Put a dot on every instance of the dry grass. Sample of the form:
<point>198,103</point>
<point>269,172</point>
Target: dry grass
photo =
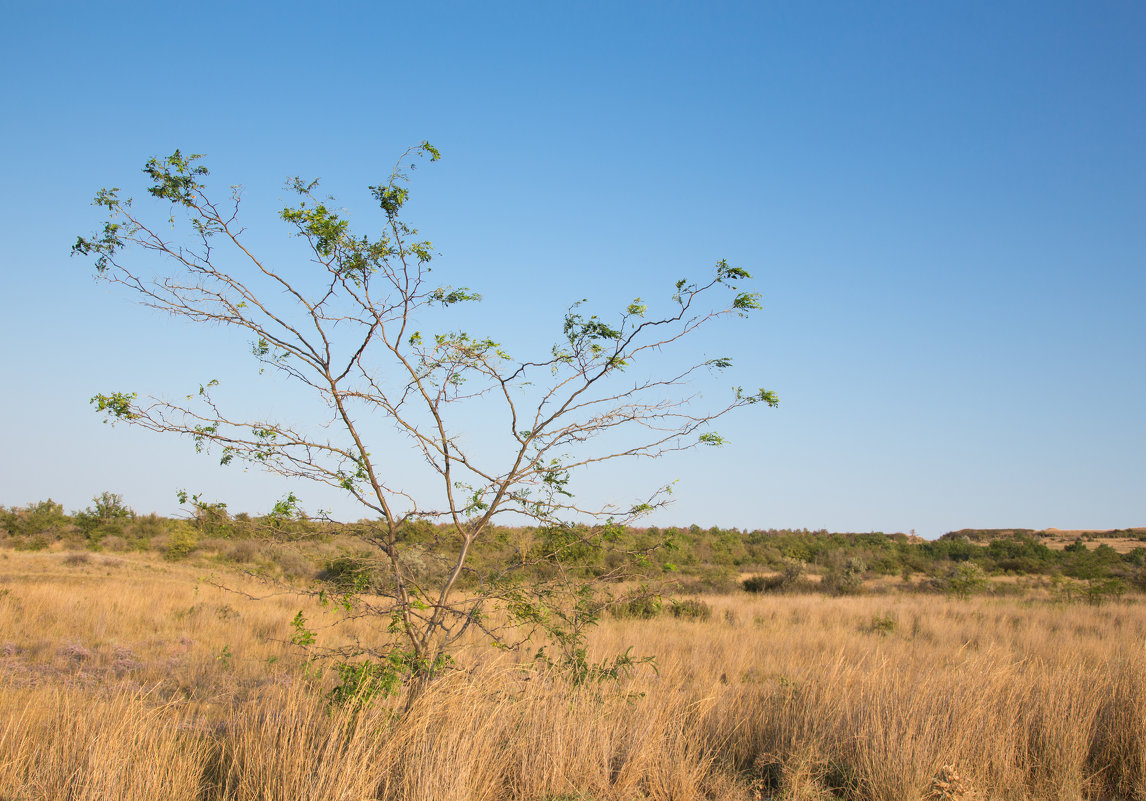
<point>1119,544</point>
<point>129,679</point>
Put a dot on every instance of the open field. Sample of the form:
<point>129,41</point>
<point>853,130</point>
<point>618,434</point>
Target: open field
<point>1119,544</point>
<point>1123,541</point>
<point>125,677</point>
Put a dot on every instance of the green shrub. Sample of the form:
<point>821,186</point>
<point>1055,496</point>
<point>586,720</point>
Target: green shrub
<point>643,607</point>
<point>759,583</point>
<point>691,609</point>
<point>360,683</point>
<point>790,578</point>
<point>181,544</point>
<point>107,516</point>
<point>349,572</point>
<point>966,578</point>
<point>36,523</point>
<point>1098,591</point>
<point>36,542</point>
<point>845,577</point>
<point>882,625</point>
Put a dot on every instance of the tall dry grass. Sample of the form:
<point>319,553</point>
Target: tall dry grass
<point>129,679</point>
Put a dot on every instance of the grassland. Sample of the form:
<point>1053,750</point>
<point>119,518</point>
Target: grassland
<point>125,676</point>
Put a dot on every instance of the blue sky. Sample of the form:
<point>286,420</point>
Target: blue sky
<point>943,205</point>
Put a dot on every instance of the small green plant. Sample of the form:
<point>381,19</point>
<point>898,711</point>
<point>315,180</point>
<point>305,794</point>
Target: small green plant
<point>361,683</point>
<point>882,625</point>
<point>302,636</point>
<point>575,664</point>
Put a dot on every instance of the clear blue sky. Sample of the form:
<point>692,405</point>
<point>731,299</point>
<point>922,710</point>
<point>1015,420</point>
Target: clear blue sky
<point>944,205</point>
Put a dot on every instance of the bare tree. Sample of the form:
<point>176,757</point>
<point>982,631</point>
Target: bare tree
<point>347,324</point>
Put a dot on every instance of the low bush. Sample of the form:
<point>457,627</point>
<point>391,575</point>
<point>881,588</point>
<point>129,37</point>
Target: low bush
<point>789,579</point>
<point>180,544</point>
<point>882,625</point>
<point>845,577</point>
<point>349,572</point>
<point>643,607</point>
<point>760,583</point>
<point>691,609</point>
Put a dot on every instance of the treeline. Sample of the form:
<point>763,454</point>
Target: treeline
<point>697,559</point>
<point>843,559</point>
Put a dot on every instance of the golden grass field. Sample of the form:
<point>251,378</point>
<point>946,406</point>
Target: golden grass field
<point>123,677</point>
<point>1058,539</point>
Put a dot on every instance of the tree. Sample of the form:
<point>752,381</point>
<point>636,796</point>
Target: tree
<point>349,324</point>
<point>106,515</point>
<point>966,578</point>
<point>845,576</point>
